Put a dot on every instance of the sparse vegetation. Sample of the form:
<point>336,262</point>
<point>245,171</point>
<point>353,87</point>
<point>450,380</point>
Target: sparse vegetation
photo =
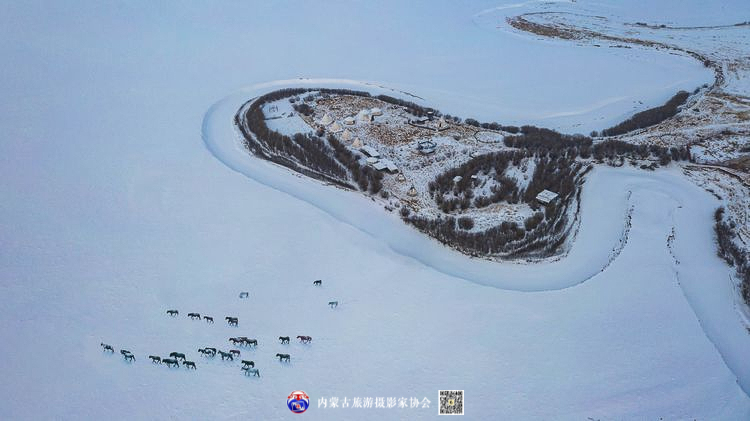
<point>541,234</point>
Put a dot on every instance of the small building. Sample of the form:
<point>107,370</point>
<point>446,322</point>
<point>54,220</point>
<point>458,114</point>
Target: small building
<point>376,112</point>
<point>546,197</point>
<point>412,191</point>
<point>357,144</point>
<point>346,136</point>
<point>389,165</point>
<point>401,178</point>
<point>457,178</point>
<point>379,165</point>
<point>372,161</point>
<point>370,151</point>
<point>349,121</point>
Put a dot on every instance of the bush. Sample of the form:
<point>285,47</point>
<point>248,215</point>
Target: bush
<point>465,222</point>
<point>303,108</point>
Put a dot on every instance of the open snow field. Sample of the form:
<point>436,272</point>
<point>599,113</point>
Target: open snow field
<point>124,193</point>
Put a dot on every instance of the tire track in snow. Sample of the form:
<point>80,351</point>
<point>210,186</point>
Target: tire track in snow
<point>728,360</point>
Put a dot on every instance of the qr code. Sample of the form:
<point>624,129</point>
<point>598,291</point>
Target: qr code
<point>451,402</point>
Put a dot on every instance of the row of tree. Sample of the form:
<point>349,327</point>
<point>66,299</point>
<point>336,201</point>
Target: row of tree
<point>538,236</point>
<point>649,117</point>
<point>366,178</point>
<point>492,126</point>
<point>550,142</point>
<point>303,152</point>
<point>305,149</point>
<point>731,253</point>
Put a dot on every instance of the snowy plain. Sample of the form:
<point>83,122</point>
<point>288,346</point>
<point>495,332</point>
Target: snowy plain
<point>124,194</point>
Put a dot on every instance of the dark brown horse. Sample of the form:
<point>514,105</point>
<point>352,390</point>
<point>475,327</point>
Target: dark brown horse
<point>250,342</point>
<point>171,362</point>
<point>284,357</point>
<point>284,339</point>
<point>189,364</point>
<point>177,355</point>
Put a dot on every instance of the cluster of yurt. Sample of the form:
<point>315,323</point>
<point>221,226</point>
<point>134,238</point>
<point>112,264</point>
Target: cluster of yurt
<point>365,115</point>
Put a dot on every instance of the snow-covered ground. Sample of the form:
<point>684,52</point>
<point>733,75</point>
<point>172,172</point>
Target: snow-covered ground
<point>115,208</point>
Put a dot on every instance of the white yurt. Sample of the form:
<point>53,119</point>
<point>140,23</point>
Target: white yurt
<point>336,127</point>
<point>326,120</point>
<point>400,177</point>
<point>349,121</point>
<point>442,124</point>
<point>364,115</point>
<point>412,191</point>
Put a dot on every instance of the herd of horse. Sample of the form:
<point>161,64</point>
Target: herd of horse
<point>248,366</point>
